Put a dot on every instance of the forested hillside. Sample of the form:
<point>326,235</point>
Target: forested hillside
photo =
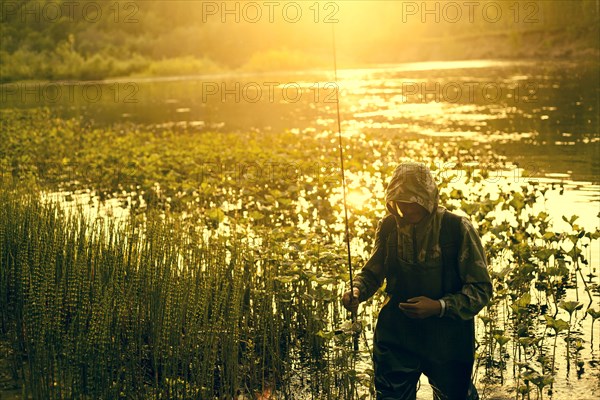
<point>50,39</point>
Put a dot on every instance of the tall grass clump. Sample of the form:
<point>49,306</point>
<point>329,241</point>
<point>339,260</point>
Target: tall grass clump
<point>224,282</point>
<point>155,308</point>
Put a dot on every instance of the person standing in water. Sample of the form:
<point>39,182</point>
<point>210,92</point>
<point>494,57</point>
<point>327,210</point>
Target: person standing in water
<point>435,272</point>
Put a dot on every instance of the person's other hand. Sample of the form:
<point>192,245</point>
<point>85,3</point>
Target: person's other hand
<point>421,307</point>
<point>351,304</point>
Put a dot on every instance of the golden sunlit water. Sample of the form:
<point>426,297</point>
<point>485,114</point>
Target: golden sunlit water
<point>220,121</point>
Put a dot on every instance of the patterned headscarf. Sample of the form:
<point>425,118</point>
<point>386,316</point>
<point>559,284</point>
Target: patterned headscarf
<point>413,183</point>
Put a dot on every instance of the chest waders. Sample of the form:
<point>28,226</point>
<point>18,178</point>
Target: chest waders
<point>404,345</point>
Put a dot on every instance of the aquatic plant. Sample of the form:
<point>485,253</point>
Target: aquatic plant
<point>595,315</point>
<point>226,279</point>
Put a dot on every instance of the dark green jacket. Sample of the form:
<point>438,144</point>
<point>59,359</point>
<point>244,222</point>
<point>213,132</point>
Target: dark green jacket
<point>408,259</point>
<point>419,244</point>
<point>475,290</point>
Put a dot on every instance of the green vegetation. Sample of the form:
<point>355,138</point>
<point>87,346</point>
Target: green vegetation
<point>58,39</point>
<point>158,309</point>
<point>226,276</point>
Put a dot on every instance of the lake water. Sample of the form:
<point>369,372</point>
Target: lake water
<point>542,116</point>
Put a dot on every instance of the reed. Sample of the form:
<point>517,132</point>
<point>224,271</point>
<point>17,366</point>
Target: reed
<point>101,310</point>
<point>225,286</point>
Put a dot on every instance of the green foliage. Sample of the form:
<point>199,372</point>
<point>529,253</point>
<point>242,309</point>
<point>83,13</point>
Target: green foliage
<point>570,306</point>
<point>185,65</point>
<point>109,311</point>
<point>226,278</point>
<point>161,37</point>
<point>502,340</point>
<point>520,305</point>
<point>593,313</point>
<point>557,325</point>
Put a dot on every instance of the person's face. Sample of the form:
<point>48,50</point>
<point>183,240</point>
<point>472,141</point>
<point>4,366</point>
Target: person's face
<point>411,213</point>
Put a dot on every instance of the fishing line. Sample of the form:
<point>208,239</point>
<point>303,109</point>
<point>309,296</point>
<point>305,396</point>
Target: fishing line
<point>347,235</point>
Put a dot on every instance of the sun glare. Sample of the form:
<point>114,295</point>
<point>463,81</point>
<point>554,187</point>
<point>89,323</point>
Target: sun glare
<point>357,198</point>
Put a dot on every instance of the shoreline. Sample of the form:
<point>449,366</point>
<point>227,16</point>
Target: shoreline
<point>578,44</point>
<point>236,73</point>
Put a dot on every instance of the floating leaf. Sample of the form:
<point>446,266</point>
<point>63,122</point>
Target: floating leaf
<point>593,313</point>
<point>571,220</point>
<point>255,215</point>
<point>544,254</point>
<point>501,339</point>
<point>520,305</point>
<point>556,324</point>
<point>216,214</point>
<point>469,208</point>
<point>523,389</point>
<point>286,279</point>
<point>549,235</point>
<point>325,335</point>
<point>526,342</point>
<point>570,306</point>
<point>517,201</point>
<point>593,235</point>
<point>324,280</point>
<point>456,194</point>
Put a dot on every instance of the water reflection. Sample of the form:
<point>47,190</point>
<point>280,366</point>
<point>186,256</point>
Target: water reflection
<point>545,114</point>
<point>539,118</point>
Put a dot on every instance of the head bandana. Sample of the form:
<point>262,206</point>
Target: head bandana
<point>413,183</point>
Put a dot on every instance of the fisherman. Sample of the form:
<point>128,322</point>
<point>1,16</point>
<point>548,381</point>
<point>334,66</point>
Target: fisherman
<point>436,278</point>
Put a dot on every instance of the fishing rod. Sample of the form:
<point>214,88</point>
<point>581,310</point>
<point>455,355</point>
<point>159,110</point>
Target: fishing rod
<point>356,334</point>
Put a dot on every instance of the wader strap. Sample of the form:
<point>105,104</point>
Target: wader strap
<point>450,236</point>
<point>387,226</point>
<point>450,242</point>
